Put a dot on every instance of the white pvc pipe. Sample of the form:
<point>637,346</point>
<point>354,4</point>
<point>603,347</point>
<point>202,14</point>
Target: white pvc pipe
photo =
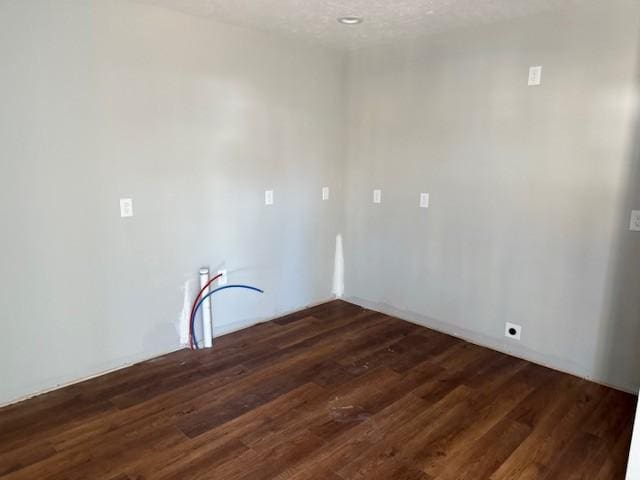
<point>206,310</point>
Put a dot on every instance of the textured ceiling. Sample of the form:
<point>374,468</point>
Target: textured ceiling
<point>385,20</point>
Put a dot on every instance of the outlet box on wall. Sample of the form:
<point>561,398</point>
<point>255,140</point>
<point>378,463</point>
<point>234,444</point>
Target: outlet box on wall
<point>635,221</point>
<point>535,76</point>
<point>513,331</point>
<point>126,207</point>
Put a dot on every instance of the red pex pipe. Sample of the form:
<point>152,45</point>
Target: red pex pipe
<point>195,302</point>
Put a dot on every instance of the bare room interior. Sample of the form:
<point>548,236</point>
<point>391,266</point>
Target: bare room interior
<point>319,239</point>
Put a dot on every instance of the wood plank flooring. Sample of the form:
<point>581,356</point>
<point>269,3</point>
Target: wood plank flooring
<point>335,392</point>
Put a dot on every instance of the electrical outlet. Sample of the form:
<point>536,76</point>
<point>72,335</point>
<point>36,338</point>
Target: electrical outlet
<point>126,207</point>
<point>325,193</point>
<point>268,197</point>
<point>535,76</point>
<point>424,200</point>
<point>377,196</point>
<point>635,221</point>
<point>511,330</point>
<point>223,279</point>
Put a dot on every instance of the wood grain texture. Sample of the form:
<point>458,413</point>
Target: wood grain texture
<point>335,392</point>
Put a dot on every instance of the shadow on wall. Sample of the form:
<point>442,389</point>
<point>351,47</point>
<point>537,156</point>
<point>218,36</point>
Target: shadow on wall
<point>618,356</point>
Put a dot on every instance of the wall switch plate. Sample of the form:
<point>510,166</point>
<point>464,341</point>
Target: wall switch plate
<point>268,197</point>
<point>535,76</point>
<point>511,330</point>
<point>223,279</point>
<point>325,193</point>
<point>635,221</point>
<point>424,200</point>
<point>377,196</point>
<point>126,207</point>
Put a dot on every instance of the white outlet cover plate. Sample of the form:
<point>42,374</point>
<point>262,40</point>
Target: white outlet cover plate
<point>223,279</point>
<point>268,197</point>
<point>126,207</point>
<point>424,200</point>
<point>635,221</point>
<point>377,196</point>
<point>508,326</point>
<point>535,76</point>
<point>325,193</point>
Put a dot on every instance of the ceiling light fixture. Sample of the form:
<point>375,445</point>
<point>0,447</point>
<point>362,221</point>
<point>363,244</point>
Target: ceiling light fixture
<point>350,20</point>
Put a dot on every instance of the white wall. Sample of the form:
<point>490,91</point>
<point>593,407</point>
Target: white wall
<point>193,120</point>
<point>531,187</point>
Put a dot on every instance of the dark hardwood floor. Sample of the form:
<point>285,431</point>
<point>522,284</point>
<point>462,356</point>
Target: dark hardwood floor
<point>333,393</point>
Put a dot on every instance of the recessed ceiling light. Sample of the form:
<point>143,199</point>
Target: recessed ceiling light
<point>350,20</point>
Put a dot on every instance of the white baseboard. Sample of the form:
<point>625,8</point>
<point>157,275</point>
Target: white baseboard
<point>143,357</point>
<point>122,363</point>
<point>225,329</point>
<point>555,363</point>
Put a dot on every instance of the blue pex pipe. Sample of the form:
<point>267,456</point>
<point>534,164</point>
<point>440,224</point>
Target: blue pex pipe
<point>195,311</point>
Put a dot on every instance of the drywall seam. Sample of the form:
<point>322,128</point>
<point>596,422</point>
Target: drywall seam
<point>552,362</point>
<point>338,269</point>
<point>182,326</point>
